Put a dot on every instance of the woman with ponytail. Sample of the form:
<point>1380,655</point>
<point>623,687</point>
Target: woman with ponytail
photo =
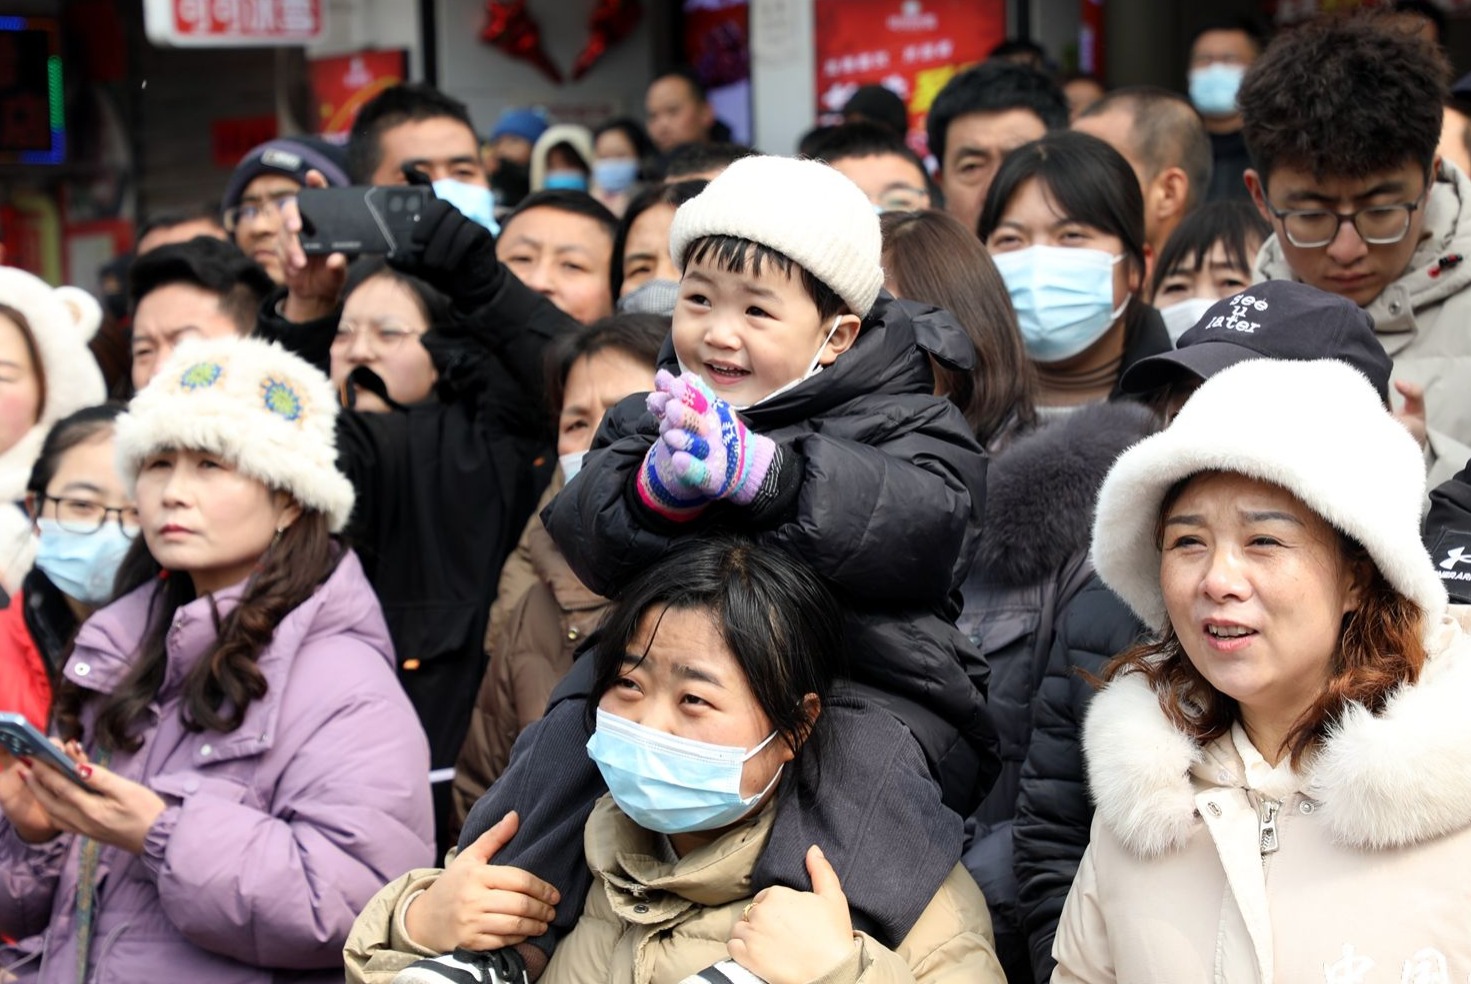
<point>250,770</point>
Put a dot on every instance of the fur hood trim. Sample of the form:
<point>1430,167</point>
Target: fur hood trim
<point>1040,489</point>
<point>1384,781</point>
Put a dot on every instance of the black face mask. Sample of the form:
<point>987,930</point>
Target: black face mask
<point>511,182</point>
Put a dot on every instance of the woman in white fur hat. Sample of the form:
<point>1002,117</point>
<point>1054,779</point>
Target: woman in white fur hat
<point>1282,781</point>
<point>46,373</point>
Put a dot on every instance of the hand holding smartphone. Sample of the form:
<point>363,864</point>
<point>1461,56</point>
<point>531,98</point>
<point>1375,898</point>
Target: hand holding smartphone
<point>24,740</point>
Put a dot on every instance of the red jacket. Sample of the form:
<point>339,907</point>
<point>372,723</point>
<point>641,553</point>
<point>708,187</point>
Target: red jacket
<point>24,685</point>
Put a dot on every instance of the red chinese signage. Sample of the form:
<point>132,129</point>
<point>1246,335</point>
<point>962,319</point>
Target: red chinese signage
<point>911,46</point>
<point>232,22</point>
<point>342,83</point>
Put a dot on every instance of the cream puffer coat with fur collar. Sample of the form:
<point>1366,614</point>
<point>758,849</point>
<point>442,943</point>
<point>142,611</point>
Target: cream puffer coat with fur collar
<point>1371,879</point>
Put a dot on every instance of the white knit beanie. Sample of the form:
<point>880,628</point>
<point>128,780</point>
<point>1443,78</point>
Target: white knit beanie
<point>253,403</point>
<point>1317,429</point>
<point>804,210</point>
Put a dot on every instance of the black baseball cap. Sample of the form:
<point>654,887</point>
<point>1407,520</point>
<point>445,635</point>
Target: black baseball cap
<point>1277,319</point>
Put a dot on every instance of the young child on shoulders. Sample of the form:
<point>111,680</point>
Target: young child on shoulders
<point>796,405</point>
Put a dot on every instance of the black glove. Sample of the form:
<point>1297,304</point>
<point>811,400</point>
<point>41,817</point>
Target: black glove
<point>453,254</point>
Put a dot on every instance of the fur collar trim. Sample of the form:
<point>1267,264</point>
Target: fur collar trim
<point>1383,781</point>
<point>1040,489</point>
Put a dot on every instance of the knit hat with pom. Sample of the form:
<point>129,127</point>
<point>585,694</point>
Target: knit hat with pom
<point>267,412</point>
<point>804,210</point>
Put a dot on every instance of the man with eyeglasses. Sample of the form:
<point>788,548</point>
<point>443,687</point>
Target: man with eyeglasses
<point>265,179</point>
<point>1342,117</point>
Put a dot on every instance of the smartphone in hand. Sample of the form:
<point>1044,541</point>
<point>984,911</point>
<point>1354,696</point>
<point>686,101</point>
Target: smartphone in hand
<point>23,740</point>
<point>360,219</point>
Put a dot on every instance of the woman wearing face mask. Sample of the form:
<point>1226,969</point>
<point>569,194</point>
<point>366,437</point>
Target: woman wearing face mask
<point>542,612</point>
<point>707,699</point>
<point>620,147</point>
<point>224,711</point>
<point>1208,257</point>
<point>643,275</point>
<point>85,522</point>
<point>562,159</point>
<point>46,372</point>
<point>1064,221</point>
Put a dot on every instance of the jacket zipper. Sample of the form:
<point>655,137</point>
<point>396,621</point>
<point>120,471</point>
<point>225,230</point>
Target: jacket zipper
<point>1267,810</point>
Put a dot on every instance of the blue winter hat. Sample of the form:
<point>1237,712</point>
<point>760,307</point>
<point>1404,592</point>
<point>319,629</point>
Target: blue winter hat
<point>526,123</point>
<point>289,156</point>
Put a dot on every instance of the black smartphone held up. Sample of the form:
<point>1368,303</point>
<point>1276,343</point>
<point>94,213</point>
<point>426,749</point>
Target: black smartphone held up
<point>21,738</point>
<point>360,219</point>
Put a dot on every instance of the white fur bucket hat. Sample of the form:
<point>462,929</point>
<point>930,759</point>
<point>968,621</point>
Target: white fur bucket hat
<point>1317,429</point>
<point>253,403</point>
<point>804,210</point>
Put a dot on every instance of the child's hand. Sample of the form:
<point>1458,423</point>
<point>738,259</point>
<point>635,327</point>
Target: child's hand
<point>714,452</point>
<point>660,487</point>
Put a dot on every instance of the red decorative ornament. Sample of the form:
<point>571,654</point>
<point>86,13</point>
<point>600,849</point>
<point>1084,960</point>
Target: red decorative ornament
<point>513,30</point>
<point>611,22</point>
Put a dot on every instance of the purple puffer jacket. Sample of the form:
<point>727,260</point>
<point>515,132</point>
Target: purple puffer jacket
<point>277,833</point>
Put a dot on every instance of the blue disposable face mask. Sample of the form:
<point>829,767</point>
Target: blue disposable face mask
<point>565,181</point>
<point>82,565</point>
<point>1213,88</point>
<point>1184,315</point>
<point>473,202</point>
<point>669,784</point>
<point>615,174</point>
<point>1063,297</point>
<point>571,464</point>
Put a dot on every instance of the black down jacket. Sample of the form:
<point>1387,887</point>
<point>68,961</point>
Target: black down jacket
<point>1040,493</point>
<point>444,488</point>
<point>1053,809</point>
<point>886,495</point>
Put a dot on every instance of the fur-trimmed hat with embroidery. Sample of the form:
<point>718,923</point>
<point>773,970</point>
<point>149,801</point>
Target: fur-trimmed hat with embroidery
<point>804,210</point>
<point>1317,429</point>
<point>269,413</point>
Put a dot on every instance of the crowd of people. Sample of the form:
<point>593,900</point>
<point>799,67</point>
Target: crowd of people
<point>675,563</point>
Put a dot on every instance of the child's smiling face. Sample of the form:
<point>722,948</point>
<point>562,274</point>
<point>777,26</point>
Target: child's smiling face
<point>749,334</point>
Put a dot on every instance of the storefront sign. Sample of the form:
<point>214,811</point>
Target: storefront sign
<point>342,83</point>
<point>232,23</point>
<point>911,46</point>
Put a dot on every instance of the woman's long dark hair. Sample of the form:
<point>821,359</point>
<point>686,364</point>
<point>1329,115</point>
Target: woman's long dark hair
<point>221,686</point>
<point>932,257</point>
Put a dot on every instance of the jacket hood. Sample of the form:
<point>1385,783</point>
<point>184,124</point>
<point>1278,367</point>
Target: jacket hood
<point>1041,489</point>
<point>343,606</point>
<point>890,355</point>
<point>1441,264</point>
<point>1395,779</point>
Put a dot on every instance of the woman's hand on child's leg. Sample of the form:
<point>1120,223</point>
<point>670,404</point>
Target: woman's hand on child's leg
<point>790,937</point>
<point>476,905</point>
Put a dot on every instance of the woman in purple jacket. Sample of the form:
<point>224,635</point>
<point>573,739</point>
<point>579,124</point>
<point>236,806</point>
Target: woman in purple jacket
<point>254,771</point>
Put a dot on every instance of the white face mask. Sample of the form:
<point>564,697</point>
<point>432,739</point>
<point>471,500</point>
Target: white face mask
<point>571,464</point>
<point>1184,315</point>
<point>812,369</point>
